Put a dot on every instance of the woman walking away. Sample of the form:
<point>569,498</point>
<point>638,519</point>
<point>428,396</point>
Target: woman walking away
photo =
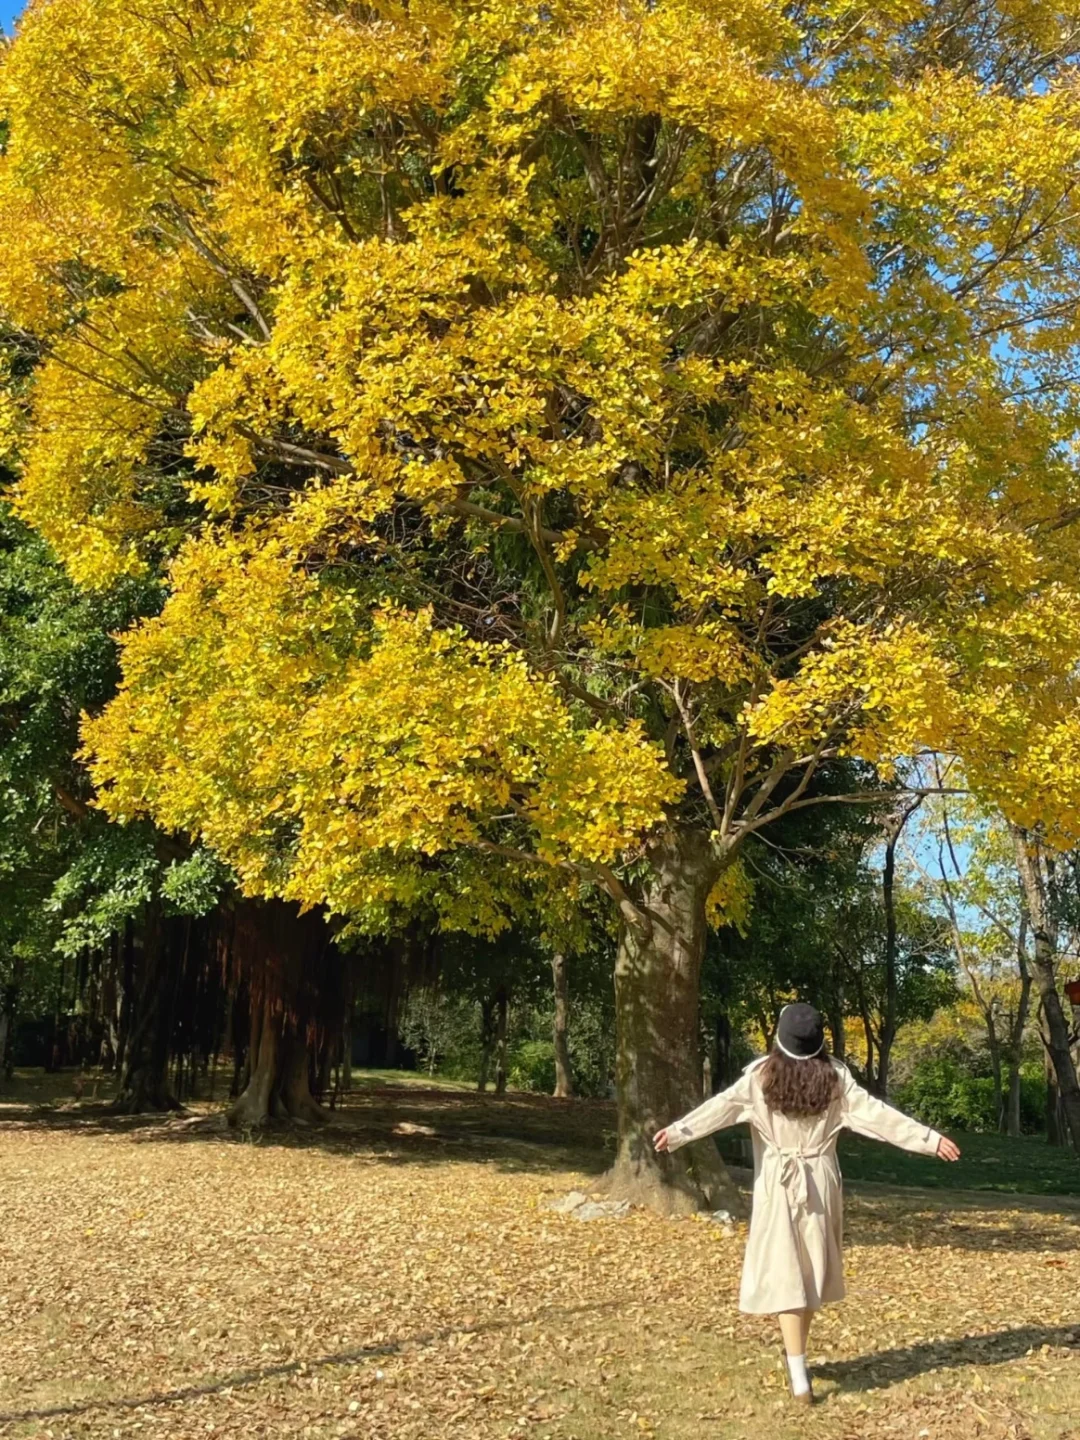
<point>797,1100</point>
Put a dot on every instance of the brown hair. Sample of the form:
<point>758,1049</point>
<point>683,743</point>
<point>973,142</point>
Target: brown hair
<point>799,1087</point>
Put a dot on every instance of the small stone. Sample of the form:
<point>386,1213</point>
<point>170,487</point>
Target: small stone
<point>602,1210</point>
<point>566,1203</point>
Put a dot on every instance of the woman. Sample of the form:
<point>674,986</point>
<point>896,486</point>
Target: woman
<point>797,1100</point>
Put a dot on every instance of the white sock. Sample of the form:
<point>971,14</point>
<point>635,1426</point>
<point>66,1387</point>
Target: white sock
<point>800,1379</point>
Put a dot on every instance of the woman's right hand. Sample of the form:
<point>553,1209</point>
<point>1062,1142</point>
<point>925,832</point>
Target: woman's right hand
<point>948,1149</point>
<point>660,1141</point>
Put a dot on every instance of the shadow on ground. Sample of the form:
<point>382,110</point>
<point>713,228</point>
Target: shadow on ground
<point>889,1367</point>
<point>353,1355</point>
<point>396,1125</point>
<point>412,1124</point>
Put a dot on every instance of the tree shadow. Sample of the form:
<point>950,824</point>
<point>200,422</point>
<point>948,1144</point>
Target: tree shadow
<point>399,1125</point>
<point>255,1375</point>
<point>889,1367</point>
<point>963,1221</point>
<point>390,1125</point>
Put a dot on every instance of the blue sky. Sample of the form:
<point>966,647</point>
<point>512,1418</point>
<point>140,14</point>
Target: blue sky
<point>8,10</point>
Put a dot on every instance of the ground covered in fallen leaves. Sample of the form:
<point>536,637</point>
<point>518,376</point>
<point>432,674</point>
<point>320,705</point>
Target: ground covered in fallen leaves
<point>397,1276</point>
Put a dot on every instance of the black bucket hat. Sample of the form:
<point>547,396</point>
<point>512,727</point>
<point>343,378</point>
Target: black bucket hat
<point>800,1032</point>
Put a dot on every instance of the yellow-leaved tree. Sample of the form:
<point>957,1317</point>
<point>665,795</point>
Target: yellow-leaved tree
<point>569,430</point>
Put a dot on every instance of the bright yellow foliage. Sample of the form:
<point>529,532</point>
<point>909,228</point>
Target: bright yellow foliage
<point>559,418</point>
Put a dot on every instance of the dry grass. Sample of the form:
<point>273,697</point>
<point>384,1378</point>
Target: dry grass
<point>166,1279</point>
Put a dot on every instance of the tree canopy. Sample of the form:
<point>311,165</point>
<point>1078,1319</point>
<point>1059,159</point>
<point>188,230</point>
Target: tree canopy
<point>558,417</point>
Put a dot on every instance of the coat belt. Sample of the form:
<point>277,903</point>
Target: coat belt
<point>794,1172</point>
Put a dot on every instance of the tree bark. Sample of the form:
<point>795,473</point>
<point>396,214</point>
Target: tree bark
<point>564,1085</point>
<point>658,1068</point>
<point>1037,881</point>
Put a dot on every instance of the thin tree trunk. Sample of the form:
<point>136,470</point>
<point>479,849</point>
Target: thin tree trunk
<point>1055,1134</point>
<point>12,993</point>
<point>144,1084</point>
<point>345,1072</point>
<point>890,1017</point>
<point>658,1070</point>
<point>1016,1043</point>
<point>564,1085</point>
<point>487,1041</point>
<point>346,1060</point>
<point>724,1072</point>
<point>1037,880</point>
<point>126,999</point>
<point>835,1013</point>
<point>870,1073</point>
<point>1012,1109</point>
<point>502,1005</point>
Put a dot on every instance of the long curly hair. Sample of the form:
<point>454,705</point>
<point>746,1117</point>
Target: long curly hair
<point>799,1087</point>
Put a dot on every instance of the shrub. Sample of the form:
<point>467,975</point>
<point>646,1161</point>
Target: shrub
<point>532,1066</point>
<point>948,1097</point>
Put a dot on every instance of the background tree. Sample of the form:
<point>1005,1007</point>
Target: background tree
<point>994,879</point>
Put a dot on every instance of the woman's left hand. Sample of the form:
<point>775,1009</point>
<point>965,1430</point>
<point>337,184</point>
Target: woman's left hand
<point>660,1141</point>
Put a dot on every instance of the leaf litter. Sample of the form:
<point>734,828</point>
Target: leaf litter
<point>168,1280</point>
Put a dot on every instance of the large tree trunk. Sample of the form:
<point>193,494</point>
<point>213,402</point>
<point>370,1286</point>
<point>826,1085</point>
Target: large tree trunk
<point>278,1085</point>
<point>657,1067</point>
<point>144,1083</point>
<point>1037,879</point>
<point>285,953</point>
<point>564,1085</point>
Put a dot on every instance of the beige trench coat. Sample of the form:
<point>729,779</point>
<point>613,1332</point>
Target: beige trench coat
<point>794,1257</point>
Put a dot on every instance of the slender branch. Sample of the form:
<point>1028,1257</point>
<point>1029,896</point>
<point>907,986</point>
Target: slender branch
<point>699,766</point>
<point>502,522</point>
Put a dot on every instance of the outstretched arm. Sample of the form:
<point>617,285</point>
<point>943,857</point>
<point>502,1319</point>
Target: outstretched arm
<point>729,1107</point>
<point>867,1115</point>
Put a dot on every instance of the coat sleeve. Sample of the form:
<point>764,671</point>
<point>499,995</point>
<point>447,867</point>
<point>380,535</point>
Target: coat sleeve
<point>729,1107</point>
<point>866,1115</point>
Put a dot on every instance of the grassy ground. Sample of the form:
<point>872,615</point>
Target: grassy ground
<point>1027,1166</point>
<point>396,1276</point>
